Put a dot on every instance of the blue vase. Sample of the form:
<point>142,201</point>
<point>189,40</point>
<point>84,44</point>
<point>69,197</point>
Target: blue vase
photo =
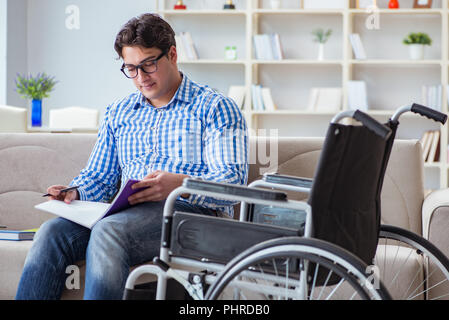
<point>36,113</point>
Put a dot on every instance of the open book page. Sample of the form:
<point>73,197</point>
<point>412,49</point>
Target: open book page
<point>87,213</point>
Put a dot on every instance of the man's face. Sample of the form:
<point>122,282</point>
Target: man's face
<point>159,86</point>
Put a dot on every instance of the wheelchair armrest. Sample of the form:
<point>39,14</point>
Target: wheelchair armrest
<point>237,190</point>
<point>288,180</point>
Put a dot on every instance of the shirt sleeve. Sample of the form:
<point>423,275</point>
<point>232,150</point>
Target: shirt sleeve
<point>225,150</point>
<point>98,180</point>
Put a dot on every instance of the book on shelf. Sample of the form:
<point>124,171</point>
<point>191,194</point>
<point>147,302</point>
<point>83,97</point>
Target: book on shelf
<point>432,96</point>
<point>357,46</point>
<point>88,213</point>
<point>186,46</point>
<point>434,152</point>
<point>430,142</point>
<point>17,235</point>
<point>267,99</point>
<point>268,47</point>
<point>182,54</point>
<point>357,96</point>
<point>325,99</point>
<point>262,99</point>
<point>237,93</point>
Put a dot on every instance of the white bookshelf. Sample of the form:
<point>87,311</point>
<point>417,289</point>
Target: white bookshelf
<point>392,79</point>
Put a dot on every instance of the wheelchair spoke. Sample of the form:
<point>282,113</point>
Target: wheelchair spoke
<point>402,265</point>
<point>335,289</point>
<point>325,284</point>
<point>404,297</point>
<point>317,266</point>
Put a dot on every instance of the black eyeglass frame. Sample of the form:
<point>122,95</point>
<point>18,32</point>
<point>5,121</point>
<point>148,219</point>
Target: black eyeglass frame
<point>140,65</point>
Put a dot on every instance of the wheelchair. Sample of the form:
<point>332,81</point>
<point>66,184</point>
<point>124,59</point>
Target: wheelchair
<point>325,255</point>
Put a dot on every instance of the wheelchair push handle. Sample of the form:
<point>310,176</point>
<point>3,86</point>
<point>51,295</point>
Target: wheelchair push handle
<point>429,113</point>
<point>372,124</point>
<point>378,128</point>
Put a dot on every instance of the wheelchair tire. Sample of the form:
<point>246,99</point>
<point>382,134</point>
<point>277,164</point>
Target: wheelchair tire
<point>414,260</point>
<point>264,271</point>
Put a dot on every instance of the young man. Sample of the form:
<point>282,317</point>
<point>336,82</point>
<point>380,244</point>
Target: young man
<point>170,129</point>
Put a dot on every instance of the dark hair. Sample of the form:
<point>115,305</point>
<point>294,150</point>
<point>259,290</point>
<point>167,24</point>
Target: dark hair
<point>147,30</point>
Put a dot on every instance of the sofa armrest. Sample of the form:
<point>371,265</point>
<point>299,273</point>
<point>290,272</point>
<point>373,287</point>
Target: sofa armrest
<point>435,214</point>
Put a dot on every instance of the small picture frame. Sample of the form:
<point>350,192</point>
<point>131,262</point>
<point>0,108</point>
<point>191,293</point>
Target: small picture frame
<point>422,4</point>
<point>363,4</point>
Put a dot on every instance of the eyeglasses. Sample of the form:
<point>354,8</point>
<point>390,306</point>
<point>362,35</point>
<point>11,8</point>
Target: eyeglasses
<point>147,66</point>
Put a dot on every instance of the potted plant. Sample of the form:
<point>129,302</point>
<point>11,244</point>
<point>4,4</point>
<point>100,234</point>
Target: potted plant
<point>321,36</point>
<point>35,88</point>
<point>416,43</point>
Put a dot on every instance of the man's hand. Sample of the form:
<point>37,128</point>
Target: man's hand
<point>67,197</point>
<point>158,184</point>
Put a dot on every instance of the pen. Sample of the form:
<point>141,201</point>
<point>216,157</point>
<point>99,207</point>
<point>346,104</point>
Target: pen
<point>63,190</point>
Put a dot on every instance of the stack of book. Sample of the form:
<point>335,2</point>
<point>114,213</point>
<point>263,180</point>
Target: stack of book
<point>262,99</point>
<point>186,47</point>
<point>325,99</point>
<point>16,235</point>
<point>432,96</point>
<point>357,96</point>
<point>430,142</point>
<point>268,47</point>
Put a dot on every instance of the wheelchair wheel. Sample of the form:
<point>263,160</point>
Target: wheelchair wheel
<point>289,268</point>
<point>410,266</point>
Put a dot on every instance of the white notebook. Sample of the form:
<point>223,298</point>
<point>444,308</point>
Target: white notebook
<point>87,213</point>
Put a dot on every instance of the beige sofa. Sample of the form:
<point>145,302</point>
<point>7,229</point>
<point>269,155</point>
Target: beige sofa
<point>32,162</point>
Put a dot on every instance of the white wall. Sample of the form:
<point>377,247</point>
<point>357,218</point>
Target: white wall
<point>16,48</point>
<point>3,20</point>
<point>82,60</point>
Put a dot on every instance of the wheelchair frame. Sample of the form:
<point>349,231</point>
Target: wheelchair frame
<point>404,238</point>
<point>246,195</point>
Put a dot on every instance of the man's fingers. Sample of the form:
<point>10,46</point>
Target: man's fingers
<point>148,194</point>
<point>146,183</point>
<point>70,196</point>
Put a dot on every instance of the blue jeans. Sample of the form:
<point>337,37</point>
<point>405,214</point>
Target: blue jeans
<point>114,244</point>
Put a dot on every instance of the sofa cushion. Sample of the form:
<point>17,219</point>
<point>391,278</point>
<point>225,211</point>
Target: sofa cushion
<point>31,163</point>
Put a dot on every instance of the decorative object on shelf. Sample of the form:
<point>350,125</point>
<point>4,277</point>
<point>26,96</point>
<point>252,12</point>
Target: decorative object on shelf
<point>35,88</point>
<point>229,5</point>
<point>230,53</point>
<point>422,4</point>
<point>393,4</point>
<point>321,36</point>
<point>275,4</point>
<point>357,46</point>
<point>364,4</point>
<point>416,43</point>
<point>180,5</point>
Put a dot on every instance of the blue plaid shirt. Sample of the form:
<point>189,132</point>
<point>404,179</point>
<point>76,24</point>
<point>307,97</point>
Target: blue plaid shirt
<point>199,133</point>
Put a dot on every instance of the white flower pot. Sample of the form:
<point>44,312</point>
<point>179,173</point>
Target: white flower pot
<point>321,51</point>
<point>416,51</point>
<point>275,4</point>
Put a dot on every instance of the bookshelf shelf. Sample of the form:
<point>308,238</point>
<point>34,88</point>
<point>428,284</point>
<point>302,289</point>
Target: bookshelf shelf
<point>298,11</point>
<point>213,61</point>
<point>399,11</point>
<point>298,62</point>
<point>202,12</point>
<point>392,79</point>
<point>397,62</point>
